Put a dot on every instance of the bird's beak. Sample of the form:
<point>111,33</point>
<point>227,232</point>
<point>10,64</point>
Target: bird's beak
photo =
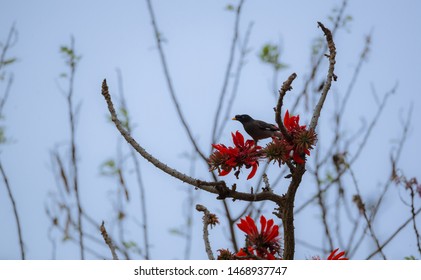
<point>234,119</point>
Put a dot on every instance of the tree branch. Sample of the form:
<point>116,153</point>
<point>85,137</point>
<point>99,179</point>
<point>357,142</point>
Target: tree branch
<point>207,220</point>
<point>330,76</point>
<point>286,86</point>
<point>227,72</point>
<point>108,241</point>
<point>158,38</point>
<point>15,211</point>
<point>218,187</point>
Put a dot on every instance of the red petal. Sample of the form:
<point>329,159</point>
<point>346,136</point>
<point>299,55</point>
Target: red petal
<point>253,171</point>
<point>273,234</point>
<point>330,257</point>
<point>238,139</point>
<point>224,172</point>
<point>297,158</point>
<point>243,226</point>
<point>287,121</point>
<point>262,224</point>
<point>252,226</point>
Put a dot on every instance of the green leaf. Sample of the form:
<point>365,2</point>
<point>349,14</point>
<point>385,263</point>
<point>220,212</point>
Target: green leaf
<point>270,54</point>
<point>176,231</point>
<point>2,136</point>
<point>8,61</point>
<point>108,168</point>
<point>410,258</point>
<point>229,7</point>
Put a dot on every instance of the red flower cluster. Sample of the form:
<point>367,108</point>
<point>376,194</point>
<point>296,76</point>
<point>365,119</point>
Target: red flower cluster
<point>247,153</point>
<point>299,144</point>
<point>302,139</point>
<point>263,244</point>
<point>224,159</point>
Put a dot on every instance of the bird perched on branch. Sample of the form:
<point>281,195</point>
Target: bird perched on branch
<point>257,129</point>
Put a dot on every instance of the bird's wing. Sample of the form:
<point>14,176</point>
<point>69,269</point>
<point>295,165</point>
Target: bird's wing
<point>266,126</point>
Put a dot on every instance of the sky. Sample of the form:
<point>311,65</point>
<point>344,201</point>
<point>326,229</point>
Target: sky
<point>112,35</point>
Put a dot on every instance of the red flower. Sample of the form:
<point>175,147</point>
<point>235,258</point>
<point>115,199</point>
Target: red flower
<point>263,244</point>
<point>339,256</point>
<point>302,141</point>
<point>243,153</point>
<point>292,122</point>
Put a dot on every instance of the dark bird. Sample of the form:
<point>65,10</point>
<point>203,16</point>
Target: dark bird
<point>257,129</point>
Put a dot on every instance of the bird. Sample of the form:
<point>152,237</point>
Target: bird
<point>257,129</point>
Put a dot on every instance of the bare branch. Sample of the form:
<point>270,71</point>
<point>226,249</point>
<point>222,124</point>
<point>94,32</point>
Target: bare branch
<point>208,219</point>
<point>330,76</point>
<point>286,86</point>
<point>364,212</point>
<point>158,38</point>
<point>394,234</point>
<point>15,211</point>
<point>227,72</point>
<point>108,241</point>
<point>241,61</point>
<point>218,187</point>
<point>319,60</point>
<point>137,170</point>
<point>72,62</point>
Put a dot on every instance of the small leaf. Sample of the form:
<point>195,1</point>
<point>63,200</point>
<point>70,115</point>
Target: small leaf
<point>176,231</point>
<point>229,7</point>
<point>108,168</point>
<point>8,61</point>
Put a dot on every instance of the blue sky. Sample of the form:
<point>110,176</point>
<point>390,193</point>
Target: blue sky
<point>111,34</point>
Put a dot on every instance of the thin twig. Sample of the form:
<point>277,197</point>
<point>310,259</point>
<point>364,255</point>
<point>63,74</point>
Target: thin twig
<point>356,155</point>
<point>8,44</point>
<point>6,93</point>
<point>320,58</point>
<point>241,62</point>
<point>15,211</point>
<point>158,38</point>
<point>286,86</point>
<point>364,212</point>
<point>227,72</point>
<point>399,229</point>
<point>137,170</point>
<point>373,123</point>
<point>417,234</point>
<point>108,241</point>
<point>323,208</point>
<point>73,150</point>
